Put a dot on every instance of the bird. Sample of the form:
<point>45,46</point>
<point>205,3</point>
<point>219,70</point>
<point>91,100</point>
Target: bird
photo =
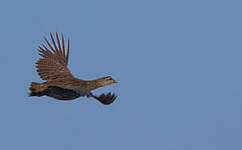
<point>59,82</point>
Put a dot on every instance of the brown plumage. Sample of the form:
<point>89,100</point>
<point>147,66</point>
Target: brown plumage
<point>60,83</point>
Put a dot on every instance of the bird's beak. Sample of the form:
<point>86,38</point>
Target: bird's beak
<point>115,81</point>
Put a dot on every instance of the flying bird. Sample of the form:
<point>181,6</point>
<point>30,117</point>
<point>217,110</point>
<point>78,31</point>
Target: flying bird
<point>60,83</point>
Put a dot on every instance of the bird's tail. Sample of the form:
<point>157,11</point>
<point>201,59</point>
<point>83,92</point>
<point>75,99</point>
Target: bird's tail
<point>37,89</point>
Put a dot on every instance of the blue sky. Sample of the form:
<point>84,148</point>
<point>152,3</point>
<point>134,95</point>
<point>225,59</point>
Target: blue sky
<point>178,63</point>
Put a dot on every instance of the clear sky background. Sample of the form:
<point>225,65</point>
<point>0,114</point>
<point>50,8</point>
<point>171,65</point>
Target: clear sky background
<point>179,64</point>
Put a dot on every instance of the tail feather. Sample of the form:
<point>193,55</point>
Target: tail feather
<point>37,89</point>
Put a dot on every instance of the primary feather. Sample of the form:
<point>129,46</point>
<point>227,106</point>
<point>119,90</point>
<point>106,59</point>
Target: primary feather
<point>53,64</point>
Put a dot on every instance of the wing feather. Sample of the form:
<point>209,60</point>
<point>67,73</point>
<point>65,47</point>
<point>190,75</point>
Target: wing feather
<point>105,99</point>
<point>53,64</point>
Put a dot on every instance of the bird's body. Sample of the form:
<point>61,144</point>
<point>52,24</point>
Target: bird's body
<point>61,84</point>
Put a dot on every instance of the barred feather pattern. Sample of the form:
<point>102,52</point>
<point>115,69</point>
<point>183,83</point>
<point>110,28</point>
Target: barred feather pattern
<point>53,64</point>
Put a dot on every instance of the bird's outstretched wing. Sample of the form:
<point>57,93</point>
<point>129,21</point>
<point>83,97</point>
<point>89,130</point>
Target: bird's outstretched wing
<point>106,98</point>
<point>53,64</point>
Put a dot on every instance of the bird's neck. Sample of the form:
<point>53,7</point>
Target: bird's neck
<point>94,84</point>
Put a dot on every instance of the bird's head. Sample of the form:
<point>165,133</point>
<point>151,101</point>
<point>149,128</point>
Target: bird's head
<point>106,81</point>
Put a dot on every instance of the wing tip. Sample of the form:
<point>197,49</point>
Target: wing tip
<point>106,99</point>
